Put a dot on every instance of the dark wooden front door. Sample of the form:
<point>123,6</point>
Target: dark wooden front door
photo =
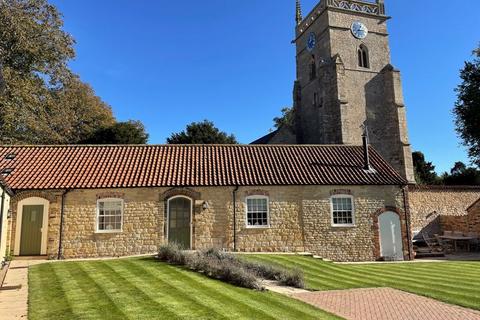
<point>179,222</point>
<point>31,234</point>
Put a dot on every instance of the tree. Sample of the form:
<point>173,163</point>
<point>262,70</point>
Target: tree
<point>424,171</point>
<point>203,132</point>
<point>467,107</point>
<point>41,100</point>
<point>287,119</point>
<point>460,174</point>
<point>130,132</point>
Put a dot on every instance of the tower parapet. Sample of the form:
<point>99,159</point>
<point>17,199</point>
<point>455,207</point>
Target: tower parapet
<point>376,8</point>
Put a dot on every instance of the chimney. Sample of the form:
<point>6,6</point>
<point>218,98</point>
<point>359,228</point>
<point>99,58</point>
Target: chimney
<point>366,155</point>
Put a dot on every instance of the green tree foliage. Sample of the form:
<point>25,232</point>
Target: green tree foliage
<point>424,171</point>
<point>462,175</point>
<point>130,132</point>
<point>203,132</point>
<point>467,107</point>
<point>41,100</point>
<point>287,119</point>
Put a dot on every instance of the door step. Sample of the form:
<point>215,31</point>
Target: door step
<point>6,288</point>
<point>23,267</point>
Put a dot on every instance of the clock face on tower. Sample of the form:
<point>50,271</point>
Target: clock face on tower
<point>359,30</point>
<point>311,42</point>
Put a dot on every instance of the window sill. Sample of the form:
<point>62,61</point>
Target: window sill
<point>258,227</point>
<point>344,225</point>
<point>108,231</point>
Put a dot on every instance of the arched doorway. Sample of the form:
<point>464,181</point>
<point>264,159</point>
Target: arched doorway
<point>179,221</point>
<point>390,229</point>
<point>31,227</point>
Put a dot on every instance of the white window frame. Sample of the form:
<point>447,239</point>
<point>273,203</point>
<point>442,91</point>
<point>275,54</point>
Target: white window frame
<point>97,220</point>
<point>268,212</point>
<point>343,225</point>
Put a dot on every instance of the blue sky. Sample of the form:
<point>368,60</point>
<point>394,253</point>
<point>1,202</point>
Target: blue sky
<point>168,63</point>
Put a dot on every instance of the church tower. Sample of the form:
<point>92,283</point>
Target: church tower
<point>345,80</point>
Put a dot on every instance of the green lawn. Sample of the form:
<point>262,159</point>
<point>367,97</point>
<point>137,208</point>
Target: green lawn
<point>452,282</point>
<point>147,289</point>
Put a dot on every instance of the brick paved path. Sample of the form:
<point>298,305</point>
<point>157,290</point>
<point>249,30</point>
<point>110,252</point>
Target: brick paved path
<point>384,304</point>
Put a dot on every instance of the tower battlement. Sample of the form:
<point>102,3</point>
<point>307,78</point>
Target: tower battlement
<point>374,8</point>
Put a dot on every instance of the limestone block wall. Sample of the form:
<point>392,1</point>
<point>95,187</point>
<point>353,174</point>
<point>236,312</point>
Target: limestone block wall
<point>142,224</point>
<point>285,233</point>
<point>453,223</point>
<point>300,220</point>
<point>474,219</point>
<point>432,207</point>
<point>359,243</point>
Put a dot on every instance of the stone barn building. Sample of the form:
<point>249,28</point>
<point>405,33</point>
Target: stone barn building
<point>94,201</point>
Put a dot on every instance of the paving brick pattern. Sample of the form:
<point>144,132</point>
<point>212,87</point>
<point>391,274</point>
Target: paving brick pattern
<point>385,304</point>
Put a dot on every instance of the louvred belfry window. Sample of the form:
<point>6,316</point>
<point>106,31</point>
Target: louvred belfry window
<point>363,59</point>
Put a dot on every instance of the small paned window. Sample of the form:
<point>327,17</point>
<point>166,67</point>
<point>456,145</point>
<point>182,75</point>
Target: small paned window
<point>257,212</point>
<point>363,60</point>
<point>342,211</point>
<point>109,215</point>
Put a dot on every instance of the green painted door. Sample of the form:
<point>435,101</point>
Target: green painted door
<point>179,219</point>
<point>31,235</point>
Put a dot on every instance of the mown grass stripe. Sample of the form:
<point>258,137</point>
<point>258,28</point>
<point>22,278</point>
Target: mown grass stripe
<point>195,283</point>
<point>147,289</point>
<point>275,302</point>
<point>444,286</point>
<point>144,278</point>
<point>404,277</point>
<point>95,297</point>
<point>445,269</point>
<point>133,301</point>
<point>385,271</point>
<point>439,275</point>
<point>313,273</point>
<point>413,276</point>
<point>352,282</point>
<point>46,289</point>
<point>322,282</point>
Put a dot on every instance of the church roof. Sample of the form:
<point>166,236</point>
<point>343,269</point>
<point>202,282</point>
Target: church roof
<point>130,166</point>
<point>266,138</point>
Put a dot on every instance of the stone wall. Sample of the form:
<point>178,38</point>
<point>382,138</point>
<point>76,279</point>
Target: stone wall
<point>437,208</point>
<point>300,220</point>
<point>359,243</point>
<point>473,218</point>
<point>453,223</point>
<point>4,225</point>
<point>142,224</point>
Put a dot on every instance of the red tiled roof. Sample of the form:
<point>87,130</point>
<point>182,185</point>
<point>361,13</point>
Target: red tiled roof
<point>83,167</point>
